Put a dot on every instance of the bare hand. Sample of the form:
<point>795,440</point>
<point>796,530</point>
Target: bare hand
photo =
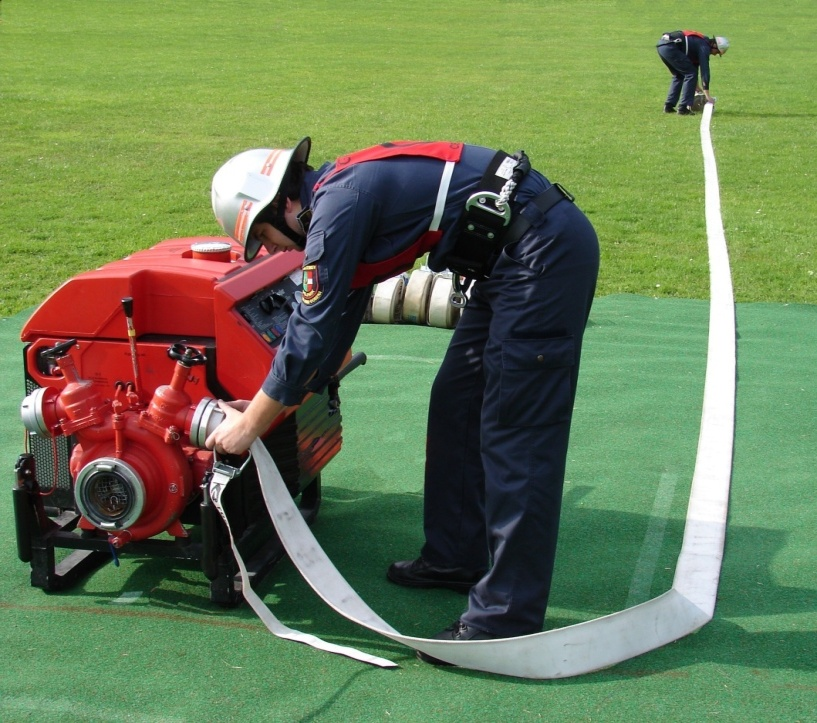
<point>231,436</point>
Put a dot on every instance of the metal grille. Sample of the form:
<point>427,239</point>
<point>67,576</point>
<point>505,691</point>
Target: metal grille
<point>51,459</point>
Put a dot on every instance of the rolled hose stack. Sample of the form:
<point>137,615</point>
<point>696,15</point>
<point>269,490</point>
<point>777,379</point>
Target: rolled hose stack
<point>421,297</point>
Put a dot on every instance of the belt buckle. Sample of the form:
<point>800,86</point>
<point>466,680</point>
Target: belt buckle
<point>487,201</point>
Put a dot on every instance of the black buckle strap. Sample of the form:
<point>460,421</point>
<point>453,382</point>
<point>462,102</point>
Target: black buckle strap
<point>544,202</point>
<point>487,216</point>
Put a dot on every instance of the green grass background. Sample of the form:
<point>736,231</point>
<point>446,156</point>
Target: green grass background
<point>114,114</point>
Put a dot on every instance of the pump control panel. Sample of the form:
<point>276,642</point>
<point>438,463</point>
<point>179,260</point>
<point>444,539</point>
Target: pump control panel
<point>268,310</point>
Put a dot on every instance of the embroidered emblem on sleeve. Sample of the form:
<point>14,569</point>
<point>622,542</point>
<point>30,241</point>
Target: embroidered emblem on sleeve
<point>311,285</point>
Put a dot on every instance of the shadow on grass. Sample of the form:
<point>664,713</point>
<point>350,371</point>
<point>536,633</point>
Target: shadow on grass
<point>364,532</point>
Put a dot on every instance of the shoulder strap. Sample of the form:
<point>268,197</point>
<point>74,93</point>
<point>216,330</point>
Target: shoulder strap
<point>441,150</point>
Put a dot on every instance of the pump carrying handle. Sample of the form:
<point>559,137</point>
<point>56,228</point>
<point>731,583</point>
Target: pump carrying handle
<point>53,353</point>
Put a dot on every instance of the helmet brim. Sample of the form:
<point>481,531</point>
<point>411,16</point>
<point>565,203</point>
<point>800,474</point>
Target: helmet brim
<point>251,248</point>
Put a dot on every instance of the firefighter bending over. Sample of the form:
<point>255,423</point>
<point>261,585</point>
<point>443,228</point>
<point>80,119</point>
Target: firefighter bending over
<point>501,404</point>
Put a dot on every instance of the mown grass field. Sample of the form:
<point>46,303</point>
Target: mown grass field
<point>114,116</point>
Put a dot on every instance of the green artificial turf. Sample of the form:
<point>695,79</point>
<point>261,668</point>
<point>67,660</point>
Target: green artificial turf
<point>143,642</point>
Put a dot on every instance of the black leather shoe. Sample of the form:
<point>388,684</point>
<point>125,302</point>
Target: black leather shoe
<point>419,573</point>
<point>458,631</point>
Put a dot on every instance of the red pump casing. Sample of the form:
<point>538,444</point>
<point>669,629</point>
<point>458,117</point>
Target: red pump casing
<point>178,294</point>
<point>128,425</point>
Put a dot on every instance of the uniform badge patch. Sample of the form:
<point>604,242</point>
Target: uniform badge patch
<point>312,290</point>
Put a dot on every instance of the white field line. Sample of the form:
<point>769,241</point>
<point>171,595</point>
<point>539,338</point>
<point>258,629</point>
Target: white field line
<point>653,540</point>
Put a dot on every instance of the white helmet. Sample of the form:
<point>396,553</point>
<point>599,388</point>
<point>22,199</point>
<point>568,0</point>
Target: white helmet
<point>722,43</point>
<point>245,185</point>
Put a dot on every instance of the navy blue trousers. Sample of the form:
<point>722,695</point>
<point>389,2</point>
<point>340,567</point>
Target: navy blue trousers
<point>684,75</point>
<point>499,422</point>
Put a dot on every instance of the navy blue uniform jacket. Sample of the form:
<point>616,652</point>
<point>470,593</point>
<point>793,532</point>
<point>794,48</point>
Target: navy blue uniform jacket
<point>367,212</point>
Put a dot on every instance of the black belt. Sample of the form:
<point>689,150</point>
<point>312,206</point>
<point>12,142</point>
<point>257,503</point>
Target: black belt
<point>544,202</point>
<point>519,225</point>
<point>478,246</point>
<point>487,217</point>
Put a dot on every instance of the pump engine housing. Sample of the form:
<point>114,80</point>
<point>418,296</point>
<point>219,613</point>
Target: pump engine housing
<point>123,366</point>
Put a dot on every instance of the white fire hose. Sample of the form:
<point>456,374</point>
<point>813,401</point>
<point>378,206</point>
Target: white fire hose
<point>685,607</point>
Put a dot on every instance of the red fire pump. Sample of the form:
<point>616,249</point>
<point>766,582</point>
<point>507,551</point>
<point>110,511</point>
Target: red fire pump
<point>123,366</point>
